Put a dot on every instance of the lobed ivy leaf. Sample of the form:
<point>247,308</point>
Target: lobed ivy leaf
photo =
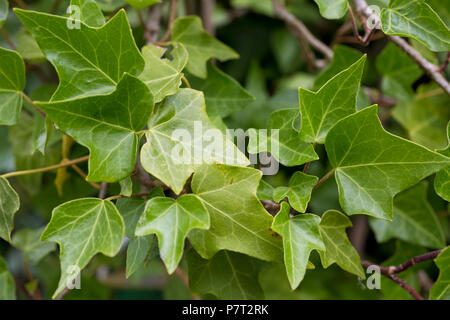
<point>416,19</point>
<point>12,82</point>
<point>4,9</point>
<point>372,165</point>
<point>335,100</point>
<point>284,145</point>
<point>241,225</point>
<point>89,61</point>
<point>224,95</point>
<point>33,249</point>
<point>300,236</point>
<point>298,192</point>
<point>163,76</point>
<point>338,248</point>
<point>414,220</point>
<point>442,179</point>
<point>90,12</point>
<point>107,125</point>
<point>441,288</point>
<point>83,228</point>
<point>181,138</point>
<point>332,9</point>
<point>199,44</point>
<point>171,220</point>
<point>7,286</point>
<point>9,205</point>
<point>142,4</point>
<point>227,275</point>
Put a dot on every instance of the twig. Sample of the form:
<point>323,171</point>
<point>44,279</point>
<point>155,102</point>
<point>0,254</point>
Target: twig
<point>138,195</point>
<point>368,31</point>
<point>8,39</point>
<point>406,286</point>
<point>207,16</point>
<point>173,15</point>
<point>84,175</point>
<point>36,294</point>
<point>186,81</point>
<point>23,290</point>
<point>103,190</point>
<point>445,64</point>
<point>324,178</point>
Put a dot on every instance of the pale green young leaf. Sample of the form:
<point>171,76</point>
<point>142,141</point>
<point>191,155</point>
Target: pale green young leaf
<point>224,95</point>
<point>227,275</point>
<point>7,286</point>
<point>89,61</point>
<point>90,12</point>
<point>442,179</point>
<point>83,228</point>
<point>335,100</point>
<point>171,220</point>
<point>12,82</point>
<point>300,236</point>
<point>372,165</point>
<point>298,192</point>
<point>90,120</point>
<point>414,220</point>
<point>441,289</point>
<point>33,249</point>
<point>332,9</point>
<point>161,75</point>
<point>28,48</point>
<point>416,19</point>
<point>199,44</point>
<point>173,155</point>
<point>9,204</point>
<point>4,9</point>
<point>142,4</point>
<point>338,248</point>
<point>284,145</point>
<point>126,187</point>
<point>240,225</point>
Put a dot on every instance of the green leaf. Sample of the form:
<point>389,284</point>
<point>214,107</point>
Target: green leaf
<point>426,117</point>
<point>372,165</point>
<point>126,187</point>
<point>300,236</point>
<point>181,138</point>
<point>110,5</point>
<point>332,9</point>
<point>199,44</point>
<point>115,116</point>
<point>284,145</point>
<point>12,82</point>
<point>240,225</point>
<point>414,220</point>
<point>265,191</point>
<point>171,220</point>
<point>7,286</point>
<point>441,289</point>
<point>224,95</point>
<point>338,248</point>
<point>88,60</point>
<point>9,204</point>
<point>28,48</point>
<point>33,249</point>
<point>298,192</point>
<point>90,12</point>
<point>142,4</point>
<point>4,9</point>
<point>442,179</point>
<point>163,76</point>
<point>83,228</point>
<point>335,100</point>
<point>416,19</point>
<point>399,72</point>
<point>227,275</point>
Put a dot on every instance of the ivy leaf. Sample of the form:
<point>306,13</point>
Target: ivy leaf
<point>300,236</point>
<point>142,4</point>
<point>199,44</point>
<point>173,155</point>
<point>416,19</point>
<point>117,116</point>
<point>83,228</point>
<point>338,248</point>
<point>90,12</point>
<point>284,145</point>
<point>12,82</point>
<point>399,72</point>
<point>332,9</point>
<point>227,275</point>
<point>126,187</point>
<point>425,118</point>
<point>163,76</point>
<point>89,61</point>
<point>224,95</point>
<point>442,179</point>
<point>298,192</point>
<point>368,173</point>
<point>4,9</point>
<point>441,289</point>
<point>171,220</point>
<point>241,225</point>
<point>335,100</point>
<point>7,286</point>
<point>265,191</point>
<point>414,220</point>
<point>33,249</point>
<point>9,204</point>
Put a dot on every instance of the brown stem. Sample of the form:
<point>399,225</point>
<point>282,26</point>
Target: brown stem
<point>8,39</point>
<point>23,290</point>
<point>324,178</point>
<point>173,15</point>
<point>406,286</point>
<point>84,175</point>
<point>37,294</point>
<point>445,64</point>
<point>103,190</point>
